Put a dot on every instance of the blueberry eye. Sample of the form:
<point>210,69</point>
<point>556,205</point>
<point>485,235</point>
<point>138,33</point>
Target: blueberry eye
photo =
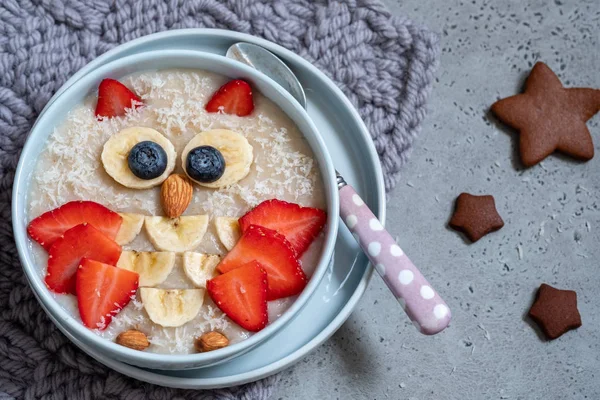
<point>205,164</point>
<point>147,160</point>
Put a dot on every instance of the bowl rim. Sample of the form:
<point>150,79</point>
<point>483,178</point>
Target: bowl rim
<point>21,192</point>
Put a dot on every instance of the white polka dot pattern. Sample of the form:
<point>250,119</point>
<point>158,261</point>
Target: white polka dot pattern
<point>427,292</point>
<point>396,250</point>
<point>440,311</point>
<point>351,221</point>
<point>374,249</point>
<point>423,305</point>
<point>375,225</point>
<point>357,200</point>
<point>406,276</point>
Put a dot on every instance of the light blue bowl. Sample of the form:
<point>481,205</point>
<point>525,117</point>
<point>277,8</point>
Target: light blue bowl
<point>54,114</point>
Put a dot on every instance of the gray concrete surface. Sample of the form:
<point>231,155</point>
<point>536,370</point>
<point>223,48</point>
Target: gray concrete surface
<point>552,231</point>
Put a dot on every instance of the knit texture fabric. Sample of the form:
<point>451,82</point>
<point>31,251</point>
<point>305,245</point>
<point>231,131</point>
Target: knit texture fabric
<point>383,64</point>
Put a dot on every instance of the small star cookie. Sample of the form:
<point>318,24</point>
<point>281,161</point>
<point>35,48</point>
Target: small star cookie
<point>550,117</point>
<point>476,216</point>
<point>555,311</point>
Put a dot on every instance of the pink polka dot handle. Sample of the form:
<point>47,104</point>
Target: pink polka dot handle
<point>426,309</point>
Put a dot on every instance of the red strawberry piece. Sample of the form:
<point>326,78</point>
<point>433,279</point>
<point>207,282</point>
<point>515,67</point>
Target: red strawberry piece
<point>234,97</point>
<point>81,241</point>
<point>299,225</point>
<point>49,226</point>
<point>102,292</point>
<point>114,98</point>
<point>242,294</point>
<point>275,254</point>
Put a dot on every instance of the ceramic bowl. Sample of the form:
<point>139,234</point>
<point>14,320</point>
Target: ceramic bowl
<point>74,95</point>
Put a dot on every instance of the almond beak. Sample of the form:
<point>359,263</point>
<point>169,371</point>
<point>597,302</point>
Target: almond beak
<point>176,194</point>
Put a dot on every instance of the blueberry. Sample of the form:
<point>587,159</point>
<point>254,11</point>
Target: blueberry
<point>205,164</point>
<point>147,160</point>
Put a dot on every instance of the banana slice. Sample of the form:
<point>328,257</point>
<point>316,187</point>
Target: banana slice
<point>199,267</point>
<point>152,266</point>
<point>235,149</point>
<point>130,228</point>
<point>228,230</point>
<point>172,307</point>
<point>116,150</point>
<point>176,234</point>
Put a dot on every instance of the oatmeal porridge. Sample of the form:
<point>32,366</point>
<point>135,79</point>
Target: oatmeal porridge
<point>189,206</point>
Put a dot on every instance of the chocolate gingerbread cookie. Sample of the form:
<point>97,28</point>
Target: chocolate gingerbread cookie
<point>476,216</point>
<point>555,311</point>
<point>550,117</point>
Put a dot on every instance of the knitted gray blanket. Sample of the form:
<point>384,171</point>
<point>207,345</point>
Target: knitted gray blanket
<point>383,64</point>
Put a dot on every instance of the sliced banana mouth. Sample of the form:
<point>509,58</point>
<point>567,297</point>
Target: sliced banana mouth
<point>200,267</point>
<point>228,231</point>
<point>130,228</point>
<point>153,267</point>
<point>172,307</point>
<point>176,234</point>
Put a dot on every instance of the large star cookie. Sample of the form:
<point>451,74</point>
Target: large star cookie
<point>476,216</point>
<point>555,311</point>
<point>550,117</point>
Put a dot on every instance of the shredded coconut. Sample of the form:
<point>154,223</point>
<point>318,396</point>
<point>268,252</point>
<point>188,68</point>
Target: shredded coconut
<point>70,168</point>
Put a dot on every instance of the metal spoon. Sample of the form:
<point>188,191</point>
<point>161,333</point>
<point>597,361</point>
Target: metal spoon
<point>269,64</point>
<point>422,304</point>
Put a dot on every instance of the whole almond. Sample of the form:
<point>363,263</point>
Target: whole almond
<point>211,341</point>
<point>133,339</point>
<point>176,194</point>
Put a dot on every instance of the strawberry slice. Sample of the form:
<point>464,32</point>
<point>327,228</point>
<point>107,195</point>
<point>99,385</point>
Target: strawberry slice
<point>114,98</point>
<point>49,226</point>
<point>81,241</point>
<point>275,254</point>
<point>102,292</point>
<point>242,295</point>
<point>234,97</point>
<point>299,225</point>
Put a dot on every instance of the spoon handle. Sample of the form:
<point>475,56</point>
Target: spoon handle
<point>426,309</point>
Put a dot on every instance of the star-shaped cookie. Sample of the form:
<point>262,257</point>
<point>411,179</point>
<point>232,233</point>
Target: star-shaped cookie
<point>555,311</point>
<point>550,117</point>
<point>476,216</point>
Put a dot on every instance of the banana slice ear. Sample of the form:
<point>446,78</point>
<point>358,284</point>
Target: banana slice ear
<point>176,234</point>
<point>228,231</point>
<point>130,228</point>
<point>200,267</point>
<point>116,152</point>
<point>153,267</point>
<point>234,147</point>
<point>172,308</point>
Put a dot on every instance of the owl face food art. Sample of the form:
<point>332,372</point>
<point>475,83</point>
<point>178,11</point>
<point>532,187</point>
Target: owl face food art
<point>176,206</point>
